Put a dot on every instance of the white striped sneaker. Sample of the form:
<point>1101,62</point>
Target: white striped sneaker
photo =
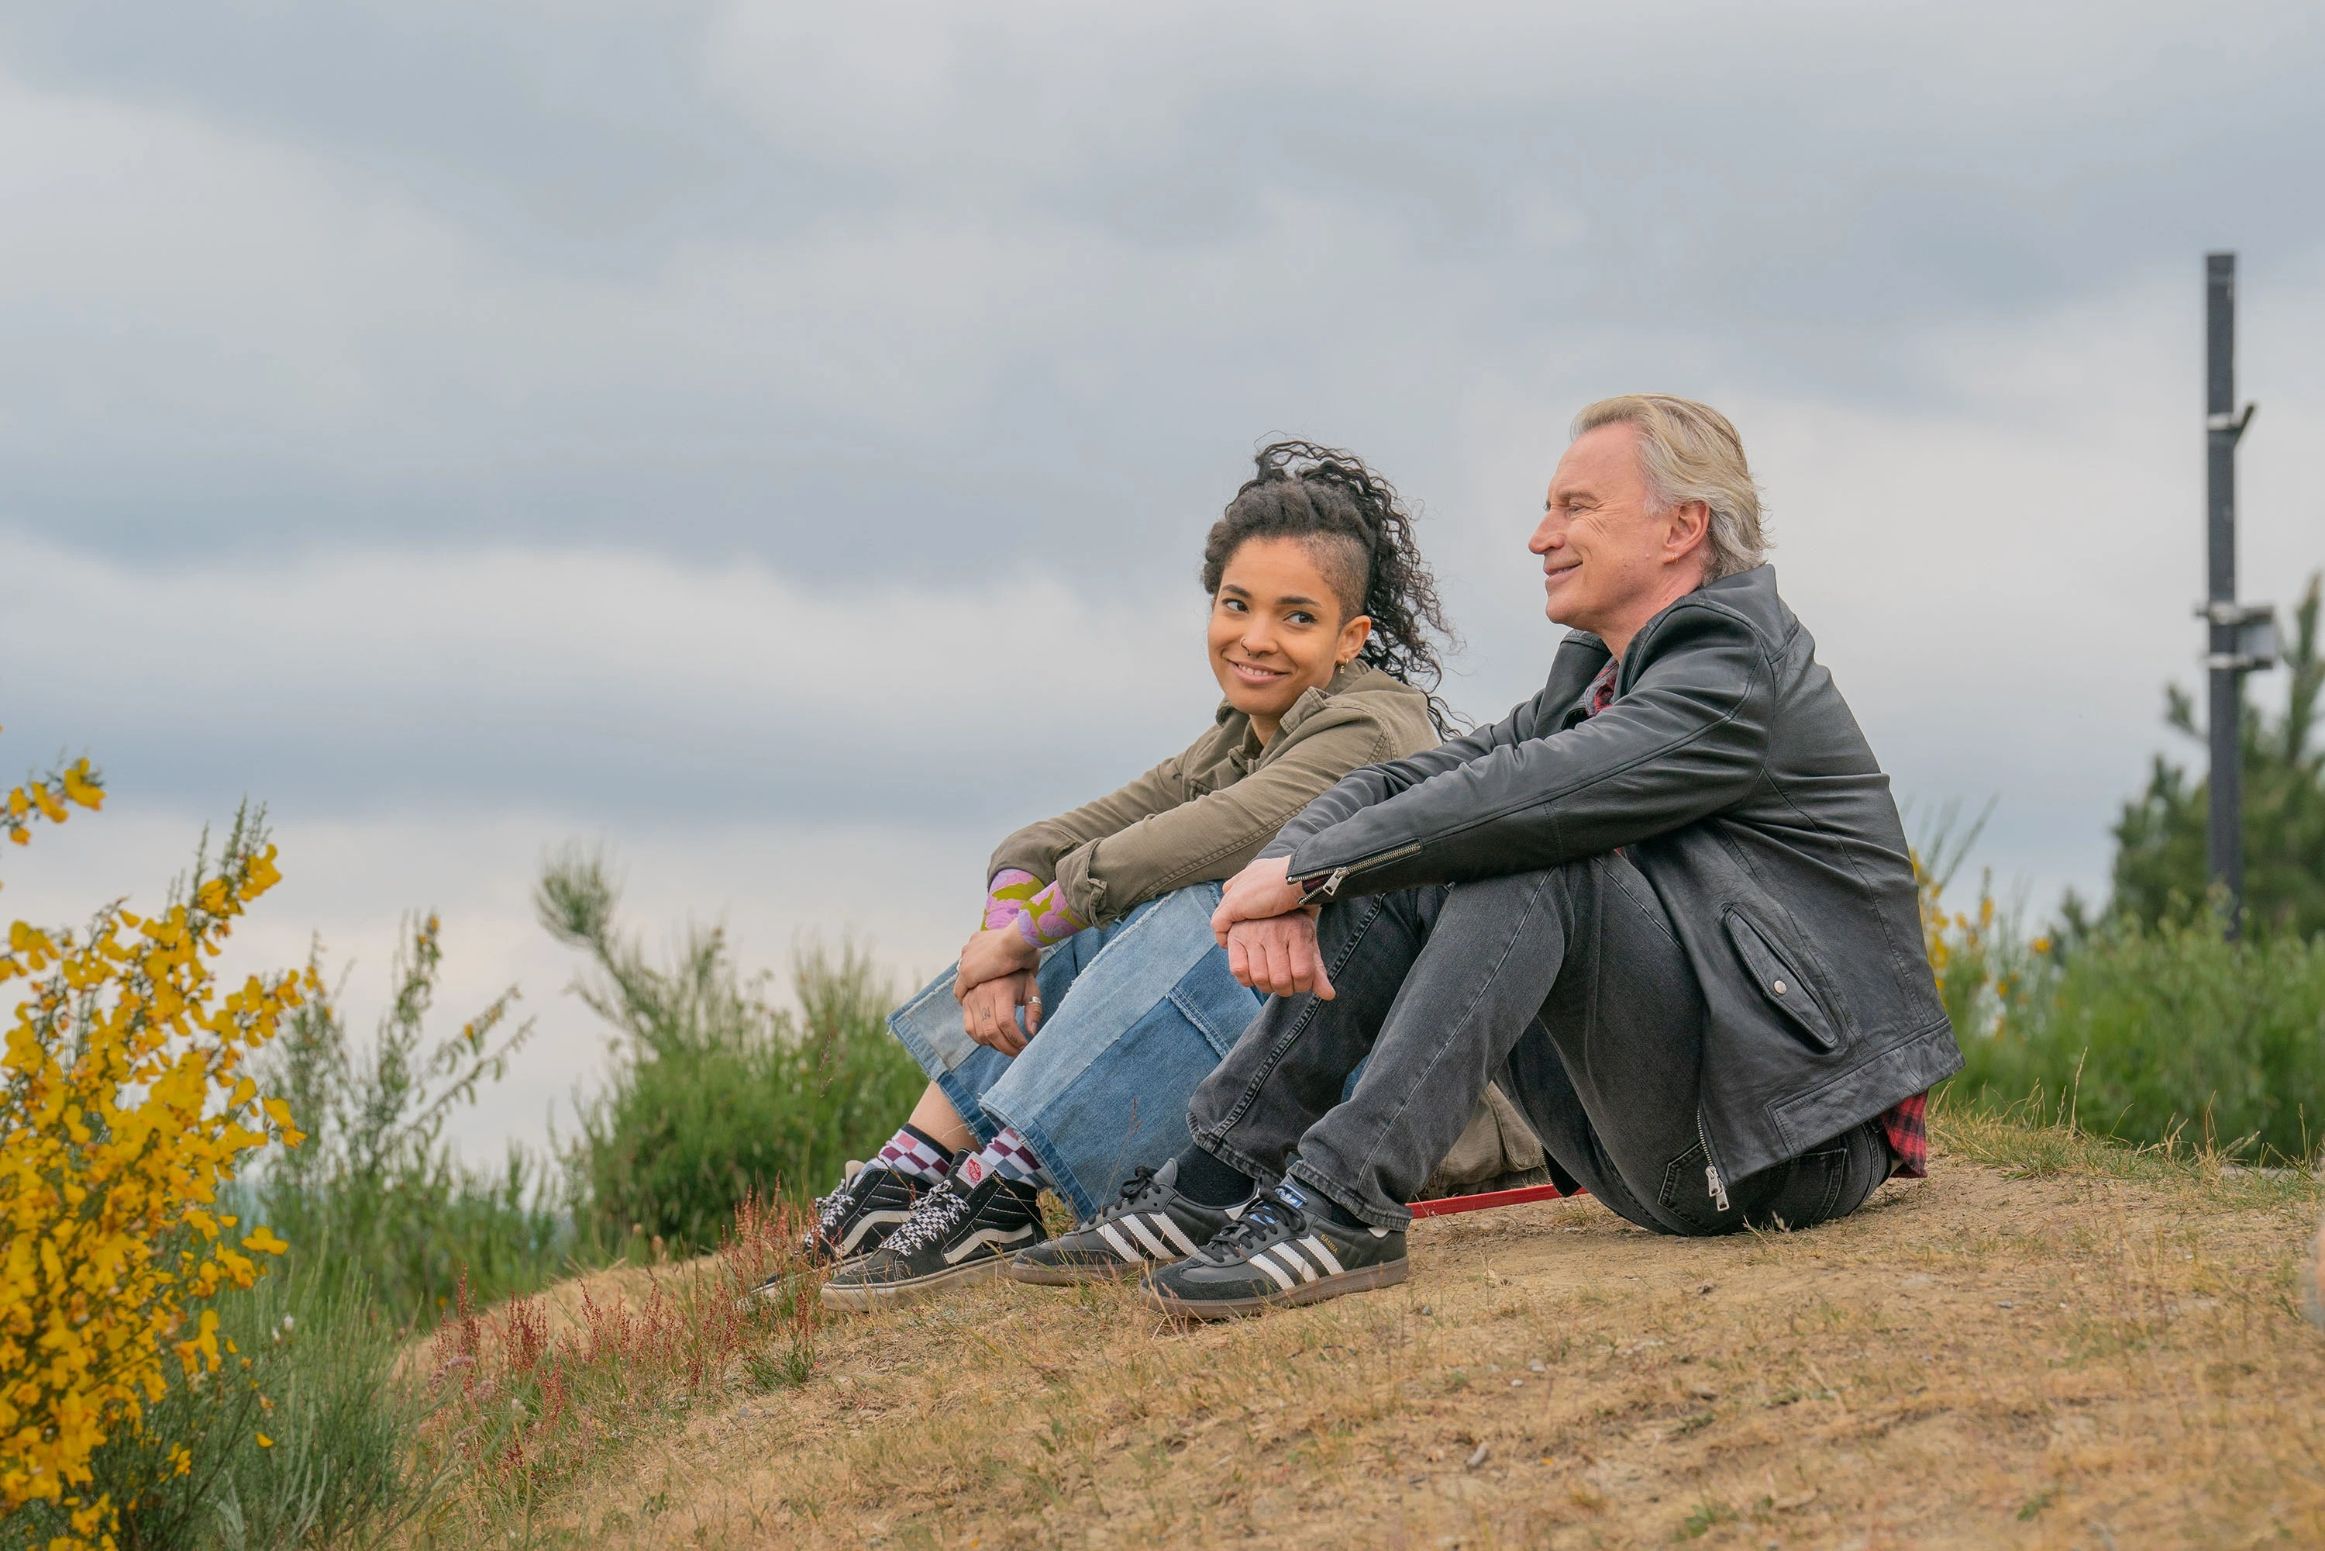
<point>1150,1224</point>
<point>1278,1253</point>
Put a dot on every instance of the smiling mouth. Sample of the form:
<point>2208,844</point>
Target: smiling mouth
<point>1252,673</point>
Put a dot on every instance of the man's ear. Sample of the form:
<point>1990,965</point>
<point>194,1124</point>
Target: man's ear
<point>1689,530</point>
<point>1353,635</point>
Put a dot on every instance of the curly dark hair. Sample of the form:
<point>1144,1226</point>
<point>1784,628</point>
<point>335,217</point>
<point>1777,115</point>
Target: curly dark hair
<point>1362,537</point>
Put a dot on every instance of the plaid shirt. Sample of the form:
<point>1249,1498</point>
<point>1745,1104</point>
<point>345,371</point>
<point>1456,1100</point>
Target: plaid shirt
<point>1907,1124</point>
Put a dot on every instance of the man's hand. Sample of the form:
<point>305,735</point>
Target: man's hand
<point>1258,893</point>
<point>993,955</point>
<point>989,1012</point>
<point>1279,956</point>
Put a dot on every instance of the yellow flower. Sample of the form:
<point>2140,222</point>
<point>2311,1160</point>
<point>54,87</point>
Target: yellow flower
<point>81,787</point>
<point>123,1112</point>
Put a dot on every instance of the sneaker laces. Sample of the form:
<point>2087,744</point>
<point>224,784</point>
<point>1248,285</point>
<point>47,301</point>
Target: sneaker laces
<point>934,1219</point>
<point>832,1209</point>
<point>1261,1220</point>
<point>1133,1189</point>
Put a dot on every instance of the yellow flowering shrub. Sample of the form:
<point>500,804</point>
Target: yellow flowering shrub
<point>124,1106</point>
<point>1984,964</point>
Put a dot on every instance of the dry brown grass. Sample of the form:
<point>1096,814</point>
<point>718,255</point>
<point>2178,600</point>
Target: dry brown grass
<point>530,1396</point>
<point>2052,1343</point>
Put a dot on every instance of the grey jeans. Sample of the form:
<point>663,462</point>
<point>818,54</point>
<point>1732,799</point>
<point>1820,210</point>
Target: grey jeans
<point>1568,986</point>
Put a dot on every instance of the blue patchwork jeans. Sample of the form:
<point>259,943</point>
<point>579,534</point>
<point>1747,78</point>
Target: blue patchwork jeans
<point>1136,1014</point>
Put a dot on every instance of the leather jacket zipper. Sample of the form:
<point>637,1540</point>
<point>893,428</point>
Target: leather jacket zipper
<point>1711,1169</point>
<point>1339,875</point>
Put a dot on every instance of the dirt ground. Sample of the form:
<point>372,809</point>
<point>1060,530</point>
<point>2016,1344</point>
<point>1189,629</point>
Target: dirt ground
<point>2042,1345</point>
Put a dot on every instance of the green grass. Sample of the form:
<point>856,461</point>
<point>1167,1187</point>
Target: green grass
<point>2024,1143</point>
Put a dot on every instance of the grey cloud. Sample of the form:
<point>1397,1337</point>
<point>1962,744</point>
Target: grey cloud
<point>612,688</point>
<point>573,133</point>
<point>995,288</point>
<point>979,304</point>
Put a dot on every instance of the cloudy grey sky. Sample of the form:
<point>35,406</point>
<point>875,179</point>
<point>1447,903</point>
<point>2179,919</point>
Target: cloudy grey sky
<point>471,427</point>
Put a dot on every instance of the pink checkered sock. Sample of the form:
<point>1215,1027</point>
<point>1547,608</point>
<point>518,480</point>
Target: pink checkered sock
<point>1008,1156</point>
<point>915,1154</point>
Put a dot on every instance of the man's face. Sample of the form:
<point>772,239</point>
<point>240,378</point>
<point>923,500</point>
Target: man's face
<point>1602,538</point>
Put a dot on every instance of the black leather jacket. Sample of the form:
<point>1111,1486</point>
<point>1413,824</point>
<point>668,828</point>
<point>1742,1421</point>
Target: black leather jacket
<point>1730,770</point>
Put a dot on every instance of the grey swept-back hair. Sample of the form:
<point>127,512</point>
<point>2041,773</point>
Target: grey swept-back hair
<point>1690,452</point>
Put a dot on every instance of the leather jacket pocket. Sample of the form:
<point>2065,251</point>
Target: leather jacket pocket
<point>1781,985</point>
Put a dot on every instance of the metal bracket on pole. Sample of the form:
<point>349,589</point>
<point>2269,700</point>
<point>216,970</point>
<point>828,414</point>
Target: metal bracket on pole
<point>2253,640</point>
<point>2232,423</point>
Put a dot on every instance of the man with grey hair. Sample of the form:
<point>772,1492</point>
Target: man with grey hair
<point>1667,903</point>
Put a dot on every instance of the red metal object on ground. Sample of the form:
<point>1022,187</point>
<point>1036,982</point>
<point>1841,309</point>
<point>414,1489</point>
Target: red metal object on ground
<point>1444,1205</point>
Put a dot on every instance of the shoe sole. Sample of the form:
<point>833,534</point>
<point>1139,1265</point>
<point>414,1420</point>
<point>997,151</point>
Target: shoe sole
<point>859,1296</point>
<point>1075,1276</point>
<point>1387,1274</point>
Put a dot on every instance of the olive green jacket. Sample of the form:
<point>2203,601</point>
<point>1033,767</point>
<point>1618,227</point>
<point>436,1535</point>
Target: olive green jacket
<point>1202,815</point>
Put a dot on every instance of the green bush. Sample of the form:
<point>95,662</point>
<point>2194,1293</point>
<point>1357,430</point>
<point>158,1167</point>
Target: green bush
<point>307,1436</point>
<point>375,1193</point>
<point>716,1094</point>
<point>2146,1033</point>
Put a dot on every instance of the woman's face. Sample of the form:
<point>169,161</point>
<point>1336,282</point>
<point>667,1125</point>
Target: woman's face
<point>1277,629</point>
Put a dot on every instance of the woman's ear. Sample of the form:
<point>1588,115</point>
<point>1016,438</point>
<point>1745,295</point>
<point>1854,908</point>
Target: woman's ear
<point>1353,635</point>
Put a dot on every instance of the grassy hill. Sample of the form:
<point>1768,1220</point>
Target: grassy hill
<point>2052,1342</point>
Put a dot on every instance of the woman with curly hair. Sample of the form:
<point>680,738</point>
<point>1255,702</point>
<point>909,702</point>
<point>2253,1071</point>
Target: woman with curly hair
<point>1064,1046</point>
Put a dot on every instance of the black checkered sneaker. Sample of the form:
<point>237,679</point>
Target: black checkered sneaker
<point>871,1203</point>
<point>1149,1224</point>
<point>962,1231</point>
<point>1278,1253</point>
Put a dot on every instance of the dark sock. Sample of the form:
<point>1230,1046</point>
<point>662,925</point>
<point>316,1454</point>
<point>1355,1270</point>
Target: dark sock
<point>1206,1181</point>
<point>1317,1204</point>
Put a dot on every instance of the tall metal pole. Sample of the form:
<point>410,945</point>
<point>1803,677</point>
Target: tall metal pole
<point>2243,637</point>
<point>2224,849</point>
